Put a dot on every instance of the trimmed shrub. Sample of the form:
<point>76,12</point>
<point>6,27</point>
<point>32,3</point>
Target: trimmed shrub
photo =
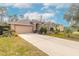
<point>57,31</point>
<point>43,30</point>
<point>51,29</point>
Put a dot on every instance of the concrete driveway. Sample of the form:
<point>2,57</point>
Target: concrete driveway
<point>53,46</point>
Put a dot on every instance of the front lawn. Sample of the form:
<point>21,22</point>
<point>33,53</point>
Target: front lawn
<point>57,35</point>
<point>15,46</point>
<point>73,37</point>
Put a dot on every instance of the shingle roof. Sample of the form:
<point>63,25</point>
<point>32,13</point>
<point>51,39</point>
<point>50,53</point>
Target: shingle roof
<point>25,22</point>
<point>21,22</point>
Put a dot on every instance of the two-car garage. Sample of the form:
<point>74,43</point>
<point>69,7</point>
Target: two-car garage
<point>22,28</point>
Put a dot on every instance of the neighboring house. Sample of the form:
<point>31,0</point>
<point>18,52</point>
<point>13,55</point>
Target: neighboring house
<point>60,28</point>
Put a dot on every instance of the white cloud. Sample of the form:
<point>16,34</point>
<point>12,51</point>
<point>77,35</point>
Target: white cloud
<point>37,16</point>
<point>6,4</point>
<point>22,5</point>
<point>47,15</point>
<point>18,5</point>
<point>57,5</point>
<point>46,6</point>
<point>33,15</point>
<point>53,21</point>
<point>61,6</point>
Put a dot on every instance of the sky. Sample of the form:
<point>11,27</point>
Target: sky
<point>48,11</point>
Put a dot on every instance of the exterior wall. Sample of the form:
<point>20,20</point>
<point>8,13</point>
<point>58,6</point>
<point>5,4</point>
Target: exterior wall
<point>12,27</point>
<point>22,28</point>
<point>60,27</point>
<point>34,26</point>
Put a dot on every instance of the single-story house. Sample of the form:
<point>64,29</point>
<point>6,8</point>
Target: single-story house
<point>24,26</point>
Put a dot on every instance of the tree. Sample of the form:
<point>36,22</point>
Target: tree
<point>52,29</point>
<point>43,30</point>
<point>13,18</point>
<point>72,15</point>
<point>10,18</point>
<point>2,13</point>
<point>68,31</point>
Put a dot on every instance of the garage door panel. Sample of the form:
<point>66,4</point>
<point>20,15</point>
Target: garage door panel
<point>24,29</point>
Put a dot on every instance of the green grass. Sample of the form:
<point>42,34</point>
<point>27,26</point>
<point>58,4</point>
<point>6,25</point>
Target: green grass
<point>15,46</point>
<point>73,37</point>
<point>57,35</point>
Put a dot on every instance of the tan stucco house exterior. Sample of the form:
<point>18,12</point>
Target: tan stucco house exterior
<point>24,26</point>
<point>60,28</point>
